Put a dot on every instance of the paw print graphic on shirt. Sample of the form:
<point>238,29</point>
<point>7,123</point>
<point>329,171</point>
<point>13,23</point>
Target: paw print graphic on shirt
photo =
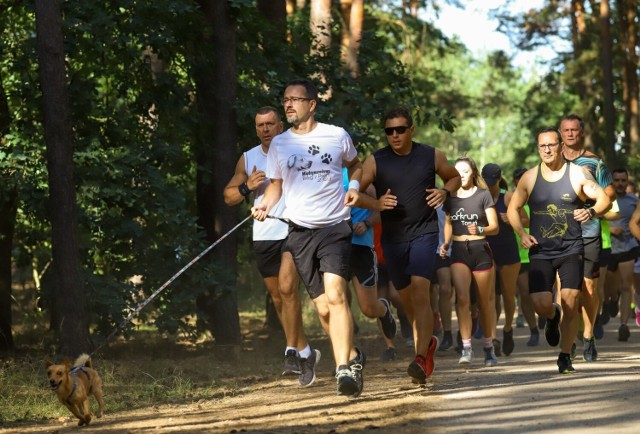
<point>313,150</point>
<point>326,158</point>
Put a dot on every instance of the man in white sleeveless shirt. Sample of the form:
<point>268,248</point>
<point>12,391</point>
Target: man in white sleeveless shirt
<point>275,266</point>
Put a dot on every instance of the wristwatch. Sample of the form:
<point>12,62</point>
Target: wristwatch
<point>592,212</point>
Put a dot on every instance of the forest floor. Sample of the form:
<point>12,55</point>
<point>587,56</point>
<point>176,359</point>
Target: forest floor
<point>524,393</point>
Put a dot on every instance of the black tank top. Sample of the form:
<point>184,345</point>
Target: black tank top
<point>408,177</point>
<point>504,242</point>
<point>551,219</point>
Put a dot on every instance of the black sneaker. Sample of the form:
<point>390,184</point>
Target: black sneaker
<point>564,364</point>
<point>614,306</point>
<point>490,357</point>
<point>507,342</point>
<point>598,330</point>
<point>604,314</point>
<point>360,358</point>
<point>590,353</point>
<point>356,372</point>
<point>388,321</point>
<point>447,341</point>
<point>623,333</point>
<point>552,328</point>
<point>291,363</point>
<point>497,348</point>
<point>347,383</point>
<point>308,368</point>
<point>389,354</point>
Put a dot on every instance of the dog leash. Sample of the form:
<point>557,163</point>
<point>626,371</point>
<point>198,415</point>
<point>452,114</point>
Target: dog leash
<point>145,302</point>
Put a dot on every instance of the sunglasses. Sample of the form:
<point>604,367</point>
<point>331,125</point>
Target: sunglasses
<point>400,130</point>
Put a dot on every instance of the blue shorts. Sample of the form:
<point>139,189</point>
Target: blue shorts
<point>411,258</point>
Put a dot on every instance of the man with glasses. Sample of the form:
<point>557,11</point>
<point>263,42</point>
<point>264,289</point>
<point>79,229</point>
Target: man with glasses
<point>556,191</point>
<point>572,131</point>
<point>275,266</point>
<point>404,175</point>
<point>304,165</point>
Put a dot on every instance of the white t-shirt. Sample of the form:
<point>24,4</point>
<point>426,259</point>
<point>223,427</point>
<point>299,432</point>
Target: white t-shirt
<point>270,229</point>
<point>310,166</point>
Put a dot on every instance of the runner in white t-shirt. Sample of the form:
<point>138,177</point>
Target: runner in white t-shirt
<point>305,167</point>
<point>274,264</point>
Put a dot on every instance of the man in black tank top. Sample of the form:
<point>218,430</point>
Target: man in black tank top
<point>556,191</point>
<point>404,175</point>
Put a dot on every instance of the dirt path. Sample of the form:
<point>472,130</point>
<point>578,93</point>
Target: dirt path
<point>524,393</point>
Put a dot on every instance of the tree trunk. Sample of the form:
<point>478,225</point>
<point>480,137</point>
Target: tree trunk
<point>8,207</point>
<point>355,28</point>
<point>607,72</point>
<point>632,78</point>
<point>216,93</point>
<point>58,134</point>
<point>321,22</point>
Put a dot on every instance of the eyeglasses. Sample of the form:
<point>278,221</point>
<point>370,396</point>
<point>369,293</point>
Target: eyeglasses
<point>400,130</point>
<point>294,100</point>
<point>547,146</point>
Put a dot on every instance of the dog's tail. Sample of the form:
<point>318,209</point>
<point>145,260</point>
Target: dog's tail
<point>83,360</point>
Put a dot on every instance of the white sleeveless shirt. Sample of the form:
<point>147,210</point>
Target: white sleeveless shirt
<point>270,229</point>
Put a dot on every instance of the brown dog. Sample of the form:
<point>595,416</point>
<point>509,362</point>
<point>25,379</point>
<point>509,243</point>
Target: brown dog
<point>74,385</point>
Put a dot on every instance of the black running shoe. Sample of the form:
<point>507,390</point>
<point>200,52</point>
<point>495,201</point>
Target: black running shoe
<point>291,363</point>
<point>389,354</point>
<point>347,383</point>
<point>614,306</point>
<point>564,364</point>
<point>497,348</point>
<point>447,341</point>
<point>308,367</point>
<point>623,333</point>
<point>388,321</point>
<point>590,353</point>
<point>552,328</point>
<point>507,342</point>
<point>598,330</point>
<point>604,315</point>
<point>359,359</point>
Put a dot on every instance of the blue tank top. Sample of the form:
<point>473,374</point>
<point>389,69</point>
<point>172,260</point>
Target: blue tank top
<point>408,177</point>
<point>551,221</point>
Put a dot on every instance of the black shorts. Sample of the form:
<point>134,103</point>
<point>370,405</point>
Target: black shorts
<point>617,258</point>
<point>410,258</point>
<point>319,251</point>
<point>475,254</point>
<point>592,247</point>
<point>268,257</point>
<point>542,273</point>
<point>605,257</point>
<point>364,265</point>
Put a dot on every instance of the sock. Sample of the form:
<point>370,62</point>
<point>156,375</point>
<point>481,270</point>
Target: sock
<point>534,331</point>
<point>488,342</point>
<point>290,348</point>
<point>466,343</point>
<point>306,353</point>
<point>342,367</point>
<point>565,355</point>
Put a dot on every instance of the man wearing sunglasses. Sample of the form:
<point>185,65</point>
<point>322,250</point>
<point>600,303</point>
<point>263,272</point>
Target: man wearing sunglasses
<point>404,175</point>
<point>304,165</point>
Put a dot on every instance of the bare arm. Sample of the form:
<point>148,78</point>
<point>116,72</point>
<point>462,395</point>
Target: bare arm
<point>590,188</point>
<point>448,232</point>
<point>449,175</point>
<point>634,222</point>
<point>232,195</point>
<point>516,207</point>
<point>354,169</point>
<point>271,197</point>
